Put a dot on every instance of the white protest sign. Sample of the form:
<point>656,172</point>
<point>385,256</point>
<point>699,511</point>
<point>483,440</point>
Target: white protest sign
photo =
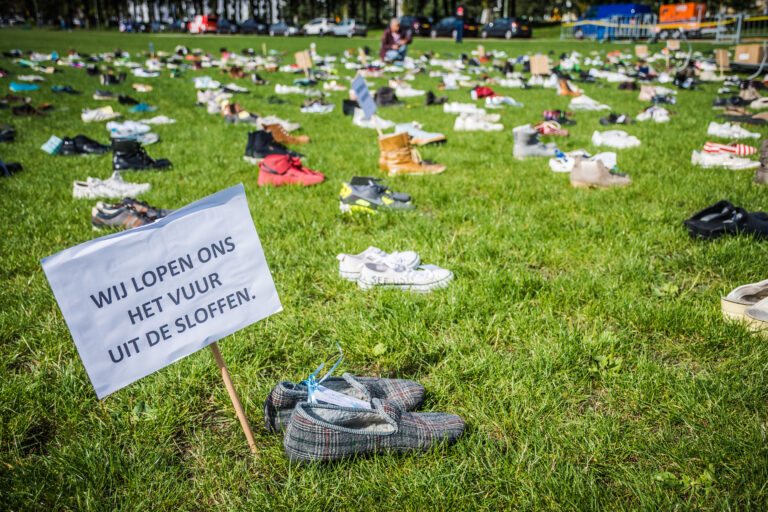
<point>139,300</point>
<point>364,99</point>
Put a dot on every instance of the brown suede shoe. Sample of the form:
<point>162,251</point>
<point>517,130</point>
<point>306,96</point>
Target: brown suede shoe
<point>283,137</point>
<point>399,157</point>
<point>586,174</point>
<point>565,89</point>
<point>761,175</point>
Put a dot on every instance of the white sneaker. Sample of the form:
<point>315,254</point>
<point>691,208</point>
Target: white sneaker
<point>127,128</point>
<point>511,82</point>
<point>726,160</point>
<point>469,122</point>
<point>112,188</point>
<point>287,125</point>
<point>318,108</point>
<point>288,89</point>
<point>615,139</point>
<point>407,91</point>
<point>359,119</point>
<point>422,279</point>
<point>759,103</point>
<point>158,120</point>
<point>658,114</point>
<point>232,87</point>
<point>462,108</point>
<point>99,114</point>
<point>564,161</point>
<point>206,82</point>
<point>493,101</point>
<point>730,131</point>
<point>350,265</point>
<point>333,86</point>
<point>584,102</point>
<point>143,73</point>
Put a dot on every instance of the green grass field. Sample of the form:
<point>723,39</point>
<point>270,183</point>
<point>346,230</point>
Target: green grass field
<point>581,341</point>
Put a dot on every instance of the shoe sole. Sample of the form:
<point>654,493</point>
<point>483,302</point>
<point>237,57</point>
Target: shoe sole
<point>355,208</point>
<point>349,276</point>
<point>424,142</point>
<point>418,288</point>
<point>252,159</point>
<point>733,310</point>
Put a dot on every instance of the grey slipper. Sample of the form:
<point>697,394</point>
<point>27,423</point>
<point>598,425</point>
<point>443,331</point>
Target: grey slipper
<point>321,432</point>
<point>401,393</point>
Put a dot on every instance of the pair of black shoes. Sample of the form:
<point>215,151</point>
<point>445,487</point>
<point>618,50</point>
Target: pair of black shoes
<point>128,155</point>
<point>724,218</point>
<point>431,99</point>
<point>82,145</point>
<point>261,144</point>
<point>733,101</point>
<point>111,79</point>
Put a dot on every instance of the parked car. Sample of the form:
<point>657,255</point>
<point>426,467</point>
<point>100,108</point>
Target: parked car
<point>157,26</point>
<point>584,26</point>
<point>676,20</point>
<point>178,26</point>
<point>201,24</point>
<point>446,27</point>
<point>225,27</point>
<point>418,25</point>
<point>253,26</point>
<point>350,28</point>
<point>318,27</point>
<point>281,28</point>
<point>506,28</point>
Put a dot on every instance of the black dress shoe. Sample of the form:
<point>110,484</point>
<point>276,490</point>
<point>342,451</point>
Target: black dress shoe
<point>82,145</point>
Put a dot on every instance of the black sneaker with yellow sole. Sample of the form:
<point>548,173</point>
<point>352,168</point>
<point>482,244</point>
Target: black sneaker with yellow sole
<point>364,194</point>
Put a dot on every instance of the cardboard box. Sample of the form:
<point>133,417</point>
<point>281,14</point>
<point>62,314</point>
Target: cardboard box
<point>721,58</point>
<point>673,44</point>
<point>641,51</point>
<point>539,65</point>
<point>748,54</point>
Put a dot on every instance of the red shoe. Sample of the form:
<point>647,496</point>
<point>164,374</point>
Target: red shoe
<point>281,170</point>
<point>550,128</point>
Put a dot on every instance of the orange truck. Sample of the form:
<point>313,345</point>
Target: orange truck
<point>678,19</point>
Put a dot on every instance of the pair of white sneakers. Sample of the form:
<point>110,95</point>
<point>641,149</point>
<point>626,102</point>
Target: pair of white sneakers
<point>375,268</point>
<point>726,160</point>
<point>618,139</point>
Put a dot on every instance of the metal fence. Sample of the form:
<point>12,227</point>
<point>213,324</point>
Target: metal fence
<point>730,28</point>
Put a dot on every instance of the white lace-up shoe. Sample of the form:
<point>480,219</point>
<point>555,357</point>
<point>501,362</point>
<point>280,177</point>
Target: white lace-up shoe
<point>726,160</point>
<point>462,108</point>
<point>470,123</point>
<point>350,265</point>
<point>421,279</point>
<point>112,188</point>
<point>359,119</point>
<point>618,139</point>
<point>730,131</point>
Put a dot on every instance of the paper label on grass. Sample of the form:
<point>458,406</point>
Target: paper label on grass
<point>329,396</point>
<point>139,300</point>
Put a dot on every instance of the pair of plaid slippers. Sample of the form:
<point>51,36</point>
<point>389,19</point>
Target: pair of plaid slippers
<point>316,431</point>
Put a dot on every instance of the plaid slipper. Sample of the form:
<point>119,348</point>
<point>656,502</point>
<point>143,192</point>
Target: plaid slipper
<point>322,432</point>
<point>401,393</point>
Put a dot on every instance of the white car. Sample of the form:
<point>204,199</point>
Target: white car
<point>318,27</point>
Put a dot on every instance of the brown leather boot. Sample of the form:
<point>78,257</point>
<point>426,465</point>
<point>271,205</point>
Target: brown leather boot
<point>761,175</point>
<point>283,137</point>
<point>399,157</point>
<point>565,89</point>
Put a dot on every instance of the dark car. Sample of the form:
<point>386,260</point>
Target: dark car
<point>226,27</point>
<point>282,28</point>
<point>418,25</point>
<point>506,28</point>
<point>178,26</point>
<point>446,27</point>
<point>253,26</point>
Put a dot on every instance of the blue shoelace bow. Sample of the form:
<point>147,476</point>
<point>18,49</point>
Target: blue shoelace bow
<point>312,383</point>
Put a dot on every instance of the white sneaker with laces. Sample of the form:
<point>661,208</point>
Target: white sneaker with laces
<point>112,188</point>
<point>493,101</point>
<point>421,279</point>
<point>408,91</point>
<point>584,102</point>
<point>350,265</point>
<point>730,131</point>
<point>99,114</point>
<point>462,108</point>
<point>359,119</point>
<point>726,160</point>
<point>234,87</point>
<point>658,114</point>
<point>127,128</point>
<point>318,108</point>
<point>469,122</point>
<point>615,139</point>
<point>564,162</point>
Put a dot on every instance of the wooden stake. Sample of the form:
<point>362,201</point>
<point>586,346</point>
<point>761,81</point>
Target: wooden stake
<point>233,396</point>
<point>376,124</point>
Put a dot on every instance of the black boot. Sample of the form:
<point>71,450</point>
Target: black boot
<point>261,144</point>
<point>129,155</point>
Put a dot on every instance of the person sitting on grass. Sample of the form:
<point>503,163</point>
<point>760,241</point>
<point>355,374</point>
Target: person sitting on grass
<point>393,43</point>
